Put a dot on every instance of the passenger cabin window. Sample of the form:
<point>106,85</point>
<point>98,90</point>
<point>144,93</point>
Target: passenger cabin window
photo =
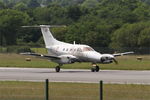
<point>79,50</point>
<point>87,49</point>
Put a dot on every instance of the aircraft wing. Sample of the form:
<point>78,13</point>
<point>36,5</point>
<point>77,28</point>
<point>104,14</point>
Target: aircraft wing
<point>40,55</point>
<point>64,59</point>
<point>121,54</point>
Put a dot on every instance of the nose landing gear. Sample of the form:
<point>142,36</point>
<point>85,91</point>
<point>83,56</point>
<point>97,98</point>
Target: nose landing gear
<point>95,68</point>
<point>57,68</point>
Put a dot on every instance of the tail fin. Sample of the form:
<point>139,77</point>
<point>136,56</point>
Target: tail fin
<point>47,35</point>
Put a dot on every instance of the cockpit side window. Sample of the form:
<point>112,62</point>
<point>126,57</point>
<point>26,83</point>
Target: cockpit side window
<point>88,49</point>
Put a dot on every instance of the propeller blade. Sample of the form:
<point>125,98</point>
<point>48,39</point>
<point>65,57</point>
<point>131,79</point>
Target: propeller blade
<point>116,62</point>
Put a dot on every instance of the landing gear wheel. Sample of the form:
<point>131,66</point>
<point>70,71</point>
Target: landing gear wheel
<point>57,69</point>
<point>92,69</point>
<point>97,68</point>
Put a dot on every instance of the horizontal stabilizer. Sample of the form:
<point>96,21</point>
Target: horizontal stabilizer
<point>44,26</point>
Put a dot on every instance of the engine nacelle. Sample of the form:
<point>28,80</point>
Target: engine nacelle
<point>68,59</point>
<point>106,59</point>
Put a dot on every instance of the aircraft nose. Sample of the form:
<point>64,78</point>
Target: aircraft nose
<point>93,56</point>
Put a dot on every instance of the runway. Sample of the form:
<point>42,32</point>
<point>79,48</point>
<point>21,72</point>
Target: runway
<point>74,75</point>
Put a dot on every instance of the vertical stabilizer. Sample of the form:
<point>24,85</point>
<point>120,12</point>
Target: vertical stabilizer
<point>48,37</point>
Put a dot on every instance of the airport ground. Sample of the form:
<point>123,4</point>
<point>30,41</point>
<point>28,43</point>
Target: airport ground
<point>79,91</point>
<point>15,90</point>
<point>129,62</point>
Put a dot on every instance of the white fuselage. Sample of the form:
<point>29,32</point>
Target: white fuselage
<point>83,52</point>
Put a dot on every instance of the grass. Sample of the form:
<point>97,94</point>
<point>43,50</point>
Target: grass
<point>126,92</point>
<point>125,63</point>
<point>40,50</point>
<point>131,63</point>
<point>16,60</point>
<point>71,91</point>
<point>21,91</point>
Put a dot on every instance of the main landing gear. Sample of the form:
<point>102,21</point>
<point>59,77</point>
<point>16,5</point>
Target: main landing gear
<point>57,68</point>
<point>95,68</point>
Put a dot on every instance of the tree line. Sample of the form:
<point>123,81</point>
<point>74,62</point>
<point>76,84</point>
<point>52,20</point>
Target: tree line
<point>114,24</point>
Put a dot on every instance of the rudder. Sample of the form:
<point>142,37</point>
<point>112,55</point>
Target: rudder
<point>47,35</point>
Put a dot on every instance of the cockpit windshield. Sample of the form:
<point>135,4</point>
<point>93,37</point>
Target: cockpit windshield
<point>88,49</point>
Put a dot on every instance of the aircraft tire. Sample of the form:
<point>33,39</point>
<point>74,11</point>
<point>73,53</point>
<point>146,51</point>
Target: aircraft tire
<point>57,69</point>
<point>92,69</point>
<point>97,68</point>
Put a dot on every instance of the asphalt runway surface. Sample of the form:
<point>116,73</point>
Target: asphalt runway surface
<point>74,75</point>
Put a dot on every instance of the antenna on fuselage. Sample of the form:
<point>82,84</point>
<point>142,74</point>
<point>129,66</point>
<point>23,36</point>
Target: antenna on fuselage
<point>74,42</point>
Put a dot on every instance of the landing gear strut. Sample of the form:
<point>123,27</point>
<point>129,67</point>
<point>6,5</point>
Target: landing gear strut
<point>95,68</point>
<point>57,68</point>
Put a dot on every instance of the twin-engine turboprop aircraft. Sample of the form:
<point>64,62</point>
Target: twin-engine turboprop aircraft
<point>66,53</point>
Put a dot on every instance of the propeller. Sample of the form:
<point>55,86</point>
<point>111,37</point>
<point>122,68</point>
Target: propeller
<point>116,62</point>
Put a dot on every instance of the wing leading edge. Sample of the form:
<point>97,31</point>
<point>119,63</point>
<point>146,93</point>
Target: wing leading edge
<point>121,54</point>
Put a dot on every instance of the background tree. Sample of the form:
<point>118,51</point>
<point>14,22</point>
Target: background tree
<point>103,23</point>
<point>90,3</point>
<point>131,36</point>
<point>2,5</point>
<point>20,6</point>
<point>74,13</point>
<point>33,4</point>
<point>10,22</point>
